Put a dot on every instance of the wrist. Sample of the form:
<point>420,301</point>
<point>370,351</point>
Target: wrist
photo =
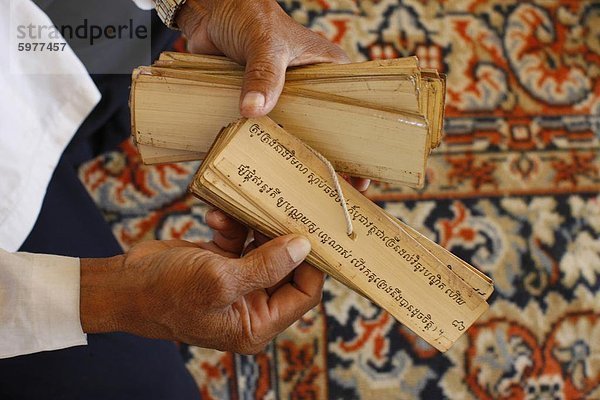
<point>188,16</point>
<point>104,299</point>
<point>167,10</point>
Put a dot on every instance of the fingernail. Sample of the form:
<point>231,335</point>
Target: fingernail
<point>253,100</point>
<point>298,249</point>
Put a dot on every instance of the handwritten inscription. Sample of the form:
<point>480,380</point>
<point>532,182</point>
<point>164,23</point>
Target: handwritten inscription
<point>251,177</point>
<point>392,242</point>
<point>273,143</point>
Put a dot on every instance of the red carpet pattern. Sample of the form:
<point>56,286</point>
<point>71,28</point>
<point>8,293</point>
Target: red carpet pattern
<point>513,190</point>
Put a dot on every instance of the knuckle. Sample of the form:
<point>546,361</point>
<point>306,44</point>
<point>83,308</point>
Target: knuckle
<point>338,55</point>
<point>318,48</point>
<point>316,300</point>
<point>251,348</point>
<point>257,349</point>
<point>262,11</point>
<point>221,284</point>
<point>258,261</point>
<point>252,341</point>
<point>330,52</point>
<point>261,71</point>
<point>261,268</point>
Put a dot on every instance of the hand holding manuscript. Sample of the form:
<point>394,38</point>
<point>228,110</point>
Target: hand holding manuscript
<point>271,180</point>
<point>376,119</point>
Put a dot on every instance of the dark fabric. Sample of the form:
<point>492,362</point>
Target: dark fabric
<point>115,366</point>
<point>111,366</point>
<point>108,36</point>
<point>110,122</point>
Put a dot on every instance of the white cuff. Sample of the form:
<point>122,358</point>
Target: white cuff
<point>144,4</point>
<point>40,309</point>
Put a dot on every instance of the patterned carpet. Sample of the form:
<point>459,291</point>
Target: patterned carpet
<point>513,190</point>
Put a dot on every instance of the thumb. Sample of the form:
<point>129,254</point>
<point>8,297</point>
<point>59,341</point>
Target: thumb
<point>268,264</point>
<point>264,78</point>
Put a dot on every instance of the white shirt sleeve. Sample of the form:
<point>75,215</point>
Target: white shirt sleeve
<point>39,303</point>
<point>144,4</point>
<point>44,98</point>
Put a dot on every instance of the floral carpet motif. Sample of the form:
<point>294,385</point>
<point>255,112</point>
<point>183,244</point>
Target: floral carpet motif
<point>513,190</point>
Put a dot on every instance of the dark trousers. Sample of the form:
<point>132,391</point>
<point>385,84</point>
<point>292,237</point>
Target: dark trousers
<point>111,366</point>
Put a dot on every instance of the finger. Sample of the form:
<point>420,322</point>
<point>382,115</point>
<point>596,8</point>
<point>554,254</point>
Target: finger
<point>219,220</point>
<point>287,279</point>
<point>360,184</point>
<point>229,234</point>
<point>269,263</point>
<point>305,288</point>
<point>319,50</point>
<point>263,81</point>
<point>259,240</point>
<point>272,314</point>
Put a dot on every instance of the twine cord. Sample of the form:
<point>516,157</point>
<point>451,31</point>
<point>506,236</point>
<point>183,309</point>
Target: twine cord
<point>338,189</point>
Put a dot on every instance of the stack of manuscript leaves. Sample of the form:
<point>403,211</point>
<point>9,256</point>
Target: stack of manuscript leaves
<point>376,119</point>
<point>272,181</point>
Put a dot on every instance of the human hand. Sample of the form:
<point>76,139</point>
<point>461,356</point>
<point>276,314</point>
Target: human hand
<point>200,293</point>
<point>259,34</point>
